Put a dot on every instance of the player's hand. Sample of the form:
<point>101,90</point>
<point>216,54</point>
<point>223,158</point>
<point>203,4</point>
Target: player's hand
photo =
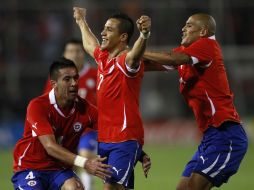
<point>146,164</point>
<point>79,14</point>
<point>95,167</point>
<point>144,24</point>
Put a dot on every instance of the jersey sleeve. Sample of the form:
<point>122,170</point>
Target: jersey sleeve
<point>129,72</point>
<point>200,52</point>
<point>37,117</point>
<point>96,53</point>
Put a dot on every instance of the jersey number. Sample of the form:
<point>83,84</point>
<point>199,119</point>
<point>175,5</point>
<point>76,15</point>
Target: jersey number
<point>30,176</point>
<point>101,79</point>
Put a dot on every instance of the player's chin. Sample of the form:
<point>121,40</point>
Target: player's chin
<point>184,43</point>
<point>103,47</point>
<point>72,95</point>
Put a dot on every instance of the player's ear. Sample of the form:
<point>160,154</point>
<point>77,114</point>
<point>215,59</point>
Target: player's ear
<point>203,32</point>
<point>124,37</point>
<point>53,83</point>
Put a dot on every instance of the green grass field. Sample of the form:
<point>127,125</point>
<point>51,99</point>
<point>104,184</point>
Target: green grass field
<point>167,165</point>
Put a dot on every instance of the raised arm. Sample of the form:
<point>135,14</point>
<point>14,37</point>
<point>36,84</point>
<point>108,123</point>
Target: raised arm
<point>90,42</point>
<point>171,58</point>
<point>134,55</point>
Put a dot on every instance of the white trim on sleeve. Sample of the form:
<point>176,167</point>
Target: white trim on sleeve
<point>194,60</point>
<point>131,70</point>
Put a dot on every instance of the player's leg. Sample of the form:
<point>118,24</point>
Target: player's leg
<point>87,147</point>
<point>64,180</point>
<point>184,180</point>
<point>29,180</point>
<point>191,183</point>
<point>114,186</point>
<point>122,157</point>
<point>87,180</point>
<point>218,157</point>
<point>183,183</point>
<point>72,184</point>
<point>199,182</point>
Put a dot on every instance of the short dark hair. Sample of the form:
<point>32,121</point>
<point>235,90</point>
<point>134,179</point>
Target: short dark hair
<point>58,64</point>
<point>126,24</point>
<point>76,41</point>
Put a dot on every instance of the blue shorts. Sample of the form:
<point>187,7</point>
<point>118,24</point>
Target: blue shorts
<point>89,141</point>
<point>41,180</point>
<point>219,154</point>
<point>123,158</point>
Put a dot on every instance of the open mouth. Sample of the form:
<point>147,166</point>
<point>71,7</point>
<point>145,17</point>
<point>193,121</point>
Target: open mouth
<point>104,40</point>
<point>73,92</point>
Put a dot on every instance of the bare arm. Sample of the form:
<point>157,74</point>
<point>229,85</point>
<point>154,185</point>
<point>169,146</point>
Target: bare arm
<point>134,55</point>
<point>90,42</point>
<point>172,58</point>
<point>93,166</point>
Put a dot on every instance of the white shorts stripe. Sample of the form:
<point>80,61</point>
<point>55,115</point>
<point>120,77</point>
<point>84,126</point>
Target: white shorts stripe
<point>225,163</point>
<point>205,171</point>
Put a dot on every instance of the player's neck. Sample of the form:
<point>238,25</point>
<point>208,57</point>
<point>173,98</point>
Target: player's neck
<point>117,51</point>
<point>64,104</point>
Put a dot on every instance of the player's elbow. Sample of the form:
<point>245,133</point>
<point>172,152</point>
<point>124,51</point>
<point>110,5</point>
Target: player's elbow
<point>50,148</point>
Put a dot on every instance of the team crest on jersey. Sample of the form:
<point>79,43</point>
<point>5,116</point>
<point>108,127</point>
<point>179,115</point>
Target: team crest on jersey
<point>31,183</point>
<point>77,127</point>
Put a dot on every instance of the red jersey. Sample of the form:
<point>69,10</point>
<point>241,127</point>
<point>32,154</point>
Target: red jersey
<point>44,117</point>
<point>118,88</point>
<point>87,84</point>
<point>204,84</point>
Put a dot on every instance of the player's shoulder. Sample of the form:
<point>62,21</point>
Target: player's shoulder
<point>207,40</point>
<point>40,101</point>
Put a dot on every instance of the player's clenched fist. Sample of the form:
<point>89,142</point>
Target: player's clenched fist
<point>79,13</point>
<point>144,24</point>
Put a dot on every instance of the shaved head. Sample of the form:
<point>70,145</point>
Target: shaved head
<point>206,21</point>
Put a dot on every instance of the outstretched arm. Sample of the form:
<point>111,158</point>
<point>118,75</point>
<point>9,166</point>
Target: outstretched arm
<point>172,58</point>
<point>90,42</point>
<point>93,166</point>
<point>134,55</point>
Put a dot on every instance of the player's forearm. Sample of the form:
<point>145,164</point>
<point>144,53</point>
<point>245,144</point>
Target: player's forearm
<point>172,59</point>
<point>160,58</point>
<point>136,53</point>
<point>90,42</point>
<point>60,153</point>
<point>55,150</point>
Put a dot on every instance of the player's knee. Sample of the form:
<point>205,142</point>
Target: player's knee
<point>72,184</point>
<point>182,184</point>
<point>181,187</point>
<point>198,182</point>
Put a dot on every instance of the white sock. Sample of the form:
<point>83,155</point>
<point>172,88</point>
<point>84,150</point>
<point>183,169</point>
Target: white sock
<point>87,180</point>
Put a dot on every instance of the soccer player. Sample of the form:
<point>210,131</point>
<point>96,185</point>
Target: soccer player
<point>73,50</point>
<point>120,71</point>
<point>44,156</point>
<point>204,85</point>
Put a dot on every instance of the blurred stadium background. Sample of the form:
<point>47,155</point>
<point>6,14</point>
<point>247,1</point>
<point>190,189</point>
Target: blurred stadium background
<point>32,34</point>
